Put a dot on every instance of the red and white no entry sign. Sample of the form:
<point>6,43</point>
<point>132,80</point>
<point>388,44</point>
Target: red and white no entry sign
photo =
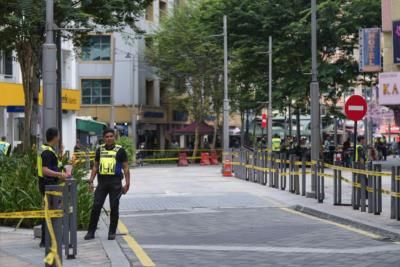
<point>355,108</point>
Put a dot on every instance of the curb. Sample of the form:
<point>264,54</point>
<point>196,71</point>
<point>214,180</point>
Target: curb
<point>386,235</point>
<point>113,249</point>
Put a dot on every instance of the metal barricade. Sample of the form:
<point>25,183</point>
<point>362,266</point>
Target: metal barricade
<point>320,181</point>
<point>275,166</point>
<point>303,176</point>
<point>70,219</point>
<point>337,185</point>
<point>377,190</point>
<point>283,171</point>
<point>395,194</point>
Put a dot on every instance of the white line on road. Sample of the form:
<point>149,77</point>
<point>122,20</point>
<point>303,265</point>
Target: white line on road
<point>364,250</point>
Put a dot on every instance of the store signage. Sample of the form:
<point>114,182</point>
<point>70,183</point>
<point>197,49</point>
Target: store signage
<point>370,50</point>
<point>389,88</point>
<point>396,42</point>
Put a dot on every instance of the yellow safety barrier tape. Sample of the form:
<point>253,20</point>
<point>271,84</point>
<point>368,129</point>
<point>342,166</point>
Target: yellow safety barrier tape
<point>47,215</point>
<point>358,171</point>
<point>395,194</point>
<point>34,214</point>
<point>53,253</point>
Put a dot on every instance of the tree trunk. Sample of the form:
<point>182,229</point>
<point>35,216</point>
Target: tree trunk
<point>28,58</point>
<point>242,128</point>
<point>196,140</point>
<point>217,115</point>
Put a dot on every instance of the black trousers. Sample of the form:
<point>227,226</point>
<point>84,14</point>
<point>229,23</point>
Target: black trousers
<point>114,191</point>
<point>42,187</point>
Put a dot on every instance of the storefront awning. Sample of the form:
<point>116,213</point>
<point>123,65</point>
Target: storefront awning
<point>90,126</point>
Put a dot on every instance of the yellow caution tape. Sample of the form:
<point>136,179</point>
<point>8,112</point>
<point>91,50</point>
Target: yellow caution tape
<point>34,214</point>
<point>47,215</point>
<point>53,253</point>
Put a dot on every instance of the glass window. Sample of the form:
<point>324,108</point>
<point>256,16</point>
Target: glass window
<point>96,91</point>
<point>97,48</point>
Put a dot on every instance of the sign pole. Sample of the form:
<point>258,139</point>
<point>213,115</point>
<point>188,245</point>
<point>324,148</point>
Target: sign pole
<point>355,142</point>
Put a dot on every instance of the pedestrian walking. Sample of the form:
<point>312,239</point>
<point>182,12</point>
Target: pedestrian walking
<point>5,147</point>
<point>49,166</point>
<point>110,166</point>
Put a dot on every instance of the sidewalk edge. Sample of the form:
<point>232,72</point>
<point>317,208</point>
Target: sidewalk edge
<point>386,234</point>
<point>113,249</point>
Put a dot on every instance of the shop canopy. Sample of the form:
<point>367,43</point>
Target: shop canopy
<point>191,128</point>
<point>90,126</point>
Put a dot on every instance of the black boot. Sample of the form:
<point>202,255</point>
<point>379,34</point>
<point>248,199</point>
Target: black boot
<point>111,236</point>
<point>89,236</point>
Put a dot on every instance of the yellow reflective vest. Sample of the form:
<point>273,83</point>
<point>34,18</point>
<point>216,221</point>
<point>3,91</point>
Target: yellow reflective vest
<point>39,163</point>
<point>108,160</point>
<point>276,144</point>
<point>360,156</point>
<point>4,146</point>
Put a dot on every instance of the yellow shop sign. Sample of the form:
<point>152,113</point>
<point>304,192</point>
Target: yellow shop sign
<point>12,94</point>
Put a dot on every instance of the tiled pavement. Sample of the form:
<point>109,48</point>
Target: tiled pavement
<point>194,217</point>
<point>20,249</point>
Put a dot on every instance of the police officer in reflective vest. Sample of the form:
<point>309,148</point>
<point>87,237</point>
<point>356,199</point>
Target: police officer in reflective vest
<point>5,147</point>
<point>361,155</point>
<point>276,144</point>
<point>48,166</point>
<point>110,166</point>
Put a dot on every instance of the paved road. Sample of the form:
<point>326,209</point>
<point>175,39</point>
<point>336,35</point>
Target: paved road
<point>193,217</point>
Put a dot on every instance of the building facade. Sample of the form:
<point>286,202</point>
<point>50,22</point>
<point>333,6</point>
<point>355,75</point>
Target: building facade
<point>12,100</point>
<point>118,86</point>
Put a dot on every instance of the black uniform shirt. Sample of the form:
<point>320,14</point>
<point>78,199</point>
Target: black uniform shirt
<point>121,157</point>
<point>50,161</point>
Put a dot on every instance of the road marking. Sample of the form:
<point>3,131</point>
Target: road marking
<point>144,259</point>
<point>356,108</point>
<point>363,250</point>
<point>347,227</point>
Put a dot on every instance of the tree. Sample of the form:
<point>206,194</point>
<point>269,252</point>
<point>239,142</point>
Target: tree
<point>22,28</point>
<point>288,22</point>
<point>190,60</point>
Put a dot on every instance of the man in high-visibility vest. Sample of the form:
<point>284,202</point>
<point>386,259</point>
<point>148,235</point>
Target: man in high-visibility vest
<point>110,166</point>
<point>276,144</point>
<point>5,147</point>
<point>48,166</point>
<point>361,155</point>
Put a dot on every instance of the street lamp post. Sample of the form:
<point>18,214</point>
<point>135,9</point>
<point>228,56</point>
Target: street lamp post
<point>226,101</point>
<point>314,93</point>
<point>49,73</point>
<point>270,95</point>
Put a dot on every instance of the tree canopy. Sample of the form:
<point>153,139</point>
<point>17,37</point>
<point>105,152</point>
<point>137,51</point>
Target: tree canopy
<point>22,28</point>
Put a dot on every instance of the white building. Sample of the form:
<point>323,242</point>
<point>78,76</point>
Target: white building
<point>12,100</point>
<point>119,87</point>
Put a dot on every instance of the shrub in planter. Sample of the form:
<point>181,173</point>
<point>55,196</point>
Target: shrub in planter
<point>127,144</point>
<point>19,189</point>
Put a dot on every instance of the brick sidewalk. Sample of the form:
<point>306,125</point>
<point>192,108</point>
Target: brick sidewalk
<point>18,248</point>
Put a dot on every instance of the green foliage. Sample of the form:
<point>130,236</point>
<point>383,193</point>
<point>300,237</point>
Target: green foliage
<point>19,189</point>
<point>19,185</point>
<point>288,22</point>
<point>127,144</point>
<point>22,29</point>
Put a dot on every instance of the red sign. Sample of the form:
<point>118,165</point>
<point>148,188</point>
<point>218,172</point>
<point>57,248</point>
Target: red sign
<point>264,121</point>
<point>355,108</point>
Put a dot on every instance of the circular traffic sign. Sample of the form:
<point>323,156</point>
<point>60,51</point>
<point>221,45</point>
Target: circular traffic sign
<point>355,108</point>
